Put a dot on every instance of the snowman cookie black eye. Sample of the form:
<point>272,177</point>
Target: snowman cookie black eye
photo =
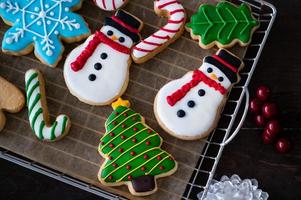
<point>121,39</point>
<point>209,70</point>
<point>220,79</point>
<point>110,33</point>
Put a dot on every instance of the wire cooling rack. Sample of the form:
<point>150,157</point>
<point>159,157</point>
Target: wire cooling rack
<point>215,143</point>
<point>206,166</point>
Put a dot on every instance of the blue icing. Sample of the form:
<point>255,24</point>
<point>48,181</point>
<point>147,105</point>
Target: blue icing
<point>42,23</point>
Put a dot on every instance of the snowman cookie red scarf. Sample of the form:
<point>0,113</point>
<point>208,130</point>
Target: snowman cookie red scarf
<point>197,77</point>
<point>98,38</point>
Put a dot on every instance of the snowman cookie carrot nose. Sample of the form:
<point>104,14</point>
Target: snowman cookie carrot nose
<point>189,108</point>
<point>89,68</point>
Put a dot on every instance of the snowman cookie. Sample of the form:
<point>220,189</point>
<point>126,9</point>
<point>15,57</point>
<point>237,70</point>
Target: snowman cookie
<point>97,72</point>
<point>190,107</point>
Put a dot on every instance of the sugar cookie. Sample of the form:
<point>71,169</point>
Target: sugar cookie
<point>110,5</point>
<point>11,100</point>
<point>190,107</point>
<point>158,41</point>
<point>97,72</point>
<point>38,110</point>
<point>223,25</point>
<point>132,152</point>
<point>40,25</point>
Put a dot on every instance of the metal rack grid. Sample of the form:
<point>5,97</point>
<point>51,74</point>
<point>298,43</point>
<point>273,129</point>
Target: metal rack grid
<point>206,166</point>
<point>216,141</point>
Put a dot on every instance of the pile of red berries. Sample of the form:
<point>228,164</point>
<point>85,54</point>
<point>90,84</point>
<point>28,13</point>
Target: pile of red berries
<point>265,115</point>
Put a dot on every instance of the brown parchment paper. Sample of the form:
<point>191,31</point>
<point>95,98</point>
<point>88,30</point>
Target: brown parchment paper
<point>76,155</point>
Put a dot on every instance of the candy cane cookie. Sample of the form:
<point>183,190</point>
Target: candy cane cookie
<point>38,110</point>
<point>110,5</point>
<point>158,41</point>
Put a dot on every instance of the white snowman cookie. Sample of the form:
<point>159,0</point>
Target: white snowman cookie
<point>190,107</point>
<point>97,72</point>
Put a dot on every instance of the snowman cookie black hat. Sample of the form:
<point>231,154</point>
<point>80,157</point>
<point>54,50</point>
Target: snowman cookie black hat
<point>228,63</point>
<point>125,23</point>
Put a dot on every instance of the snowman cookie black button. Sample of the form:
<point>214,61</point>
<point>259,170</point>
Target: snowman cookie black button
<point>181,113</point>
<point>98,66</point>
<point>191,104</point>
<point>92,77</point>
<point>103,56</point>
<point>201,92</point>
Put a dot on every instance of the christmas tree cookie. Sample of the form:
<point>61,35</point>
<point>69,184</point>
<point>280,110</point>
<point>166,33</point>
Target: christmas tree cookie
<point>132,152</point>
<point>223,25</point>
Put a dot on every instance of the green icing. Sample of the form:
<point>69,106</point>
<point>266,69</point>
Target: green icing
<point>142,140</point>
<point>223,23</point>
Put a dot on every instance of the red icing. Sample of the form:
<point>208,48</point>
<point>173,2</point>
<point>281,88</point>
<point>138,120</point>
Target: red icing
<point>98,38</point>
<point>197,77</point>
<point>225,63</point>
<point>133,30</point>
<point>167,4</point>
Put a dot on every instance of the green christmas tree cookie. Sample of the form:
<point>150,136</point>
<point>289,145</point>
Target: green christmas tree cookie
<point>132,152</point>
<point>223,25</point>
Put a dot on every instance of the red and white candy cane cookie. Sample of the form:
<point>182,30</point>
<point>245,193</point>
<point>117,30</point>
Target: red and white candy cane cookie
<point>155,43</point>
<point>110,5</point>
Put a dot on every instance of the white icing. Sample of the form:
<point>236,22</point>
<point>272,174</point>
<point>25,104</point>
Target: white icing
<point>46,130</point>
<point>137,53</point>
<point>110,79</point>
<point>109,4</point>
<point>198,120</point>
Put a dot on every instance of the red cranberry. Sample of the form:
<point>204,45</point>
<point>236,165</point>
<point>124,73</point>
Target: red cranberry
<point>260,121</point>
<point>255,105</point>
<point>283,145</point>
<point>274,127</point>
<point>267,139</point>
<point>263,93</point>
<point>269,110</point>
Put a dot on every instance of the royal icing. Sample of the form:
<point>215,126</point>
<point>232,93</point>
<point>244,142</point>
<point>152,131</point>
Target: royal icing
<point>223,25</point>
<point>189,107</point>
<point>170,32</point>
<point>110,5</point>
<point>11,100</point>
<point>97,71</point>
<point>38,112</point>
<point>41,23</point>
<point>132,150</point>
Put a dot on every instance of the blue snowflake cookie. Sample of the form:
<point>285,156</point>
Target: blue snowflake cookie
<point>41,23</point>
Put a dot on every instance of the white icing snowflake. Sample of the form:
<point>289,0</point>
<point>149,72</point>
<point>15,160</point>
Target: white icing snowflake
<point>41,22</point>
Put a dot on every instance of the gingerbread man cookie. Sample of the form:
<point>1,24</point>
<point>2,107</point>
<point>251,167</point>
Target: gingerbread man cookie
<point>11,100</point>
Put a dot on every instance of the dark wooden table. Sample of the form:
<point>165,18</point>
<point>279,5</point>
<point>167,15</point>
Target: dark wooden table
<point>247,156</point>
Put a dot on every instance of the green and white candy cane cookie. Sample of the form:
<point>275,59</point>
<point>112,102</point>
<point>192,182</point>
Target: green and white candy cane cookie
<point>38,110</point>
